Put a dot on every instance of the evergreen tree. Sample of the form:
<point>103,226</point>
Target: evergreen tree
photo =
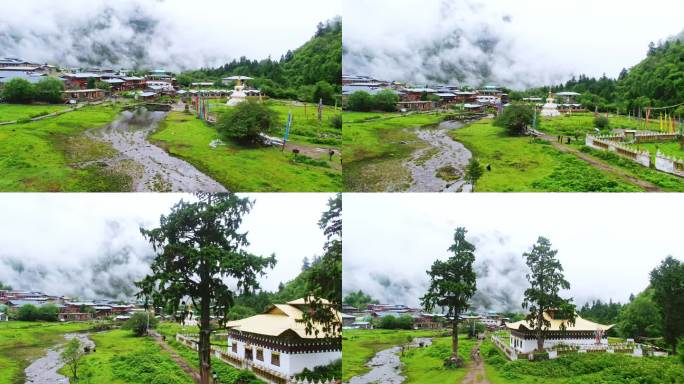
<point>452,284</point>
<point>546,280</point>
<point>668,293</point>
<point>198,247</point>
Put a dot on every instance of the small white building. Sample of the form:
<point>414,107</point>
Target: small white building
<point>275,344</point>
<point>3,316</point>
<point>583,333</point>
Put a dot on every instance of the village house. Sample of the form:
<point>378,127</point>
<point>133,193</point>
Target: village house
<point>348,320</point>
<point>117,84</point>
<point>85,94</point>
<point>583,333</point>
<point>3,316</point>
<point>405,106</point>
<point>160,74</point>
<point>80,80</point>
<point>416,94</point>
<point>275,344</point>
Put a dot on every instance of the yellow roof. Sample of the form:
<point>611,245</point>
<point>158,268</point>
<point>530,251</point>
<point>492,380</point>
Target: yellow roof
<point>278,319</point>
<point>580,324</point>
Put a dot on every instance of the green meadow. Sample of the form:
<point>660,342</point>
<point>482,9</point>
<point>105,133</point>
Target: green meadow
<point>375,146</point>
<point>14,112</point>
<point>359,346</point>
<point>43,156</point>
<point>582,123</point>
<point>22,342</point>
<point>121,358</point>
<point>241,168</point>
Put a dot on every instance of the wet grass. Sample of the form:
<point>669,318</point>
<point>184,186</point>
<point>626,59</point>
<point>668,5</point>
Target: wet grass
<point>520,164</point>
<point>426,365</point>
<point>375,146</point>
<point>14,112</point>
<point>121,358</point>
<point>240,168</point>
<point>359,346</point>
<point>44,156</point>
<point>22,342</point>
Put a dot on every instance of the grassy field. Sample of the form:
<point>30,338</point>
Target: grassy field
<point>22,342</point>
<point>520,164</point>
<point>585,368</point>
<point>42,156</point>
<point>359,346</point>
<point>244,169</point>
<point>582,123</point>
<point>376,145</point>
<point>426,365</point>
<point>305,127</point>
<point>14,112</point>
<point>673,149</point>
<point>121,358</point>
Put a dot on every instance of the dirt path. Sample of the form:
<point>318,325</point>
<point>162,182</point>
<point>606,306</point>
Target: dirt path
<point>192,372</point>
<point>156,170</point>
<point>443,155</point>
<point>650,187</point>
<point>476,372</point>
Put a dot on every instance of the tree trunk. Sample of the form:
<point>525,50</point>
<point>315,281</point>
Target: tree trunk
<point>205,342</point>
<point>674,348</point>
<point>454,338</point>
<point>540,335</point>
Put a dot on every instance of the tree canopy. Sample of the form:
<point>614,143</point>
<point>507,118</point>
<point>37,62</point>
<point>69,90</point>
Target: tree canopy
<point>199,246</point>
<point>452,284</point>
<point>667,281</point>
<point>546,280</point>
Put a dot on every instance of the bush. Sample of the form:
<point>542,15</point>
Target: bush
<point>385,101</point>
<point>50,90</point>
<point>336,121</point>
<point>19,91</point>
<point>247,121</point>
<point>391,322</point>
<point>138,323</point>
<point>360,101</point>
<point>601,122</point>
<point>28,312</point>
<point>515,118</point>
<point>323,90</point>
<point>322,373</point>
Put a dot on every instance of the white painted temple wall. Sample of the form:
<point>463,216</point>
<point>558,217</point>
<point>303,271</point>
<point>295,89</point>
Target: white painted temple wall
<point>529,345</point>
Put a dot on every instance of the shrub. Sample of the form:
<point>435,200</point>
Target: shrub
<point>336,121</point>
<point>360,101</point>
<point>247,121</point>
<point>50,90</point>
<point>27,312</point>
<point>601,122</point>
<point>515,118</point>
<point>138,323</point>
<point>385,100</point>
<point>322,373</point>
<point>391,322</point>
<point>323,90</point>
<point>19,90</point>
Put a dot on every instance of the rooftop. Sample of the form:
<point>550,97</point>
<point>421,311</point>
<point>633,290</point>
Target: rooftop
<point>580,325</point>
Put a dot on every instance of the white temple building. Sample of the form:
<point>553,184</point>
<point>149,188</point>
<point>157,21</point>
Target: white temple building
<point>276,346</point>
<point>550,109</point>
<point>583,333</point>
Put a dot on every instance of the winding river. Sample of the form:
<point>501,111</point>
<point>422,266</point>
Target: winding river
<point>155,170</point>
<point>442,152</point>
<point>386,365</point>
<point>44,370</point>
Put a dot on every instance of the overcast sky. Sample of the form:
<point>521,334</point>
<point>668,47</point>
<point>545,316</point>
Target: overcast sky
<point>607,244</point>
<point>526,42</point>
<point>89,245</point>
<point>168,33</point>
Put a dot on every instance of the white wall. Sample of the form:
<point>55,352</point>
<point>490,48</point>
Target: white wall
<point>529,345</point>
<point>290,364</point>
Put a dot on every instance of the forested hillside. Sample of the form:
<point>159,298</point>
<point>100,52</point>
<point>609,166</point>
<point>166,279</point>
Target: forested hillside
<point>308,73</point>
<point>657,81</point>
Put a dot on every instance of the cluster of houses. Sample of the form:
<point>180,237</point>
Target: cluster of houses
<point>363,318</point>
<point>69,309</point>
<point>78,82</point>
<point>426,98</point>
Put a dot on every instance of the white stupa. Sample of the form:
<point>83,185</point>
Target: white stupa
<point>238,96</point>
<point>550,109</point>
